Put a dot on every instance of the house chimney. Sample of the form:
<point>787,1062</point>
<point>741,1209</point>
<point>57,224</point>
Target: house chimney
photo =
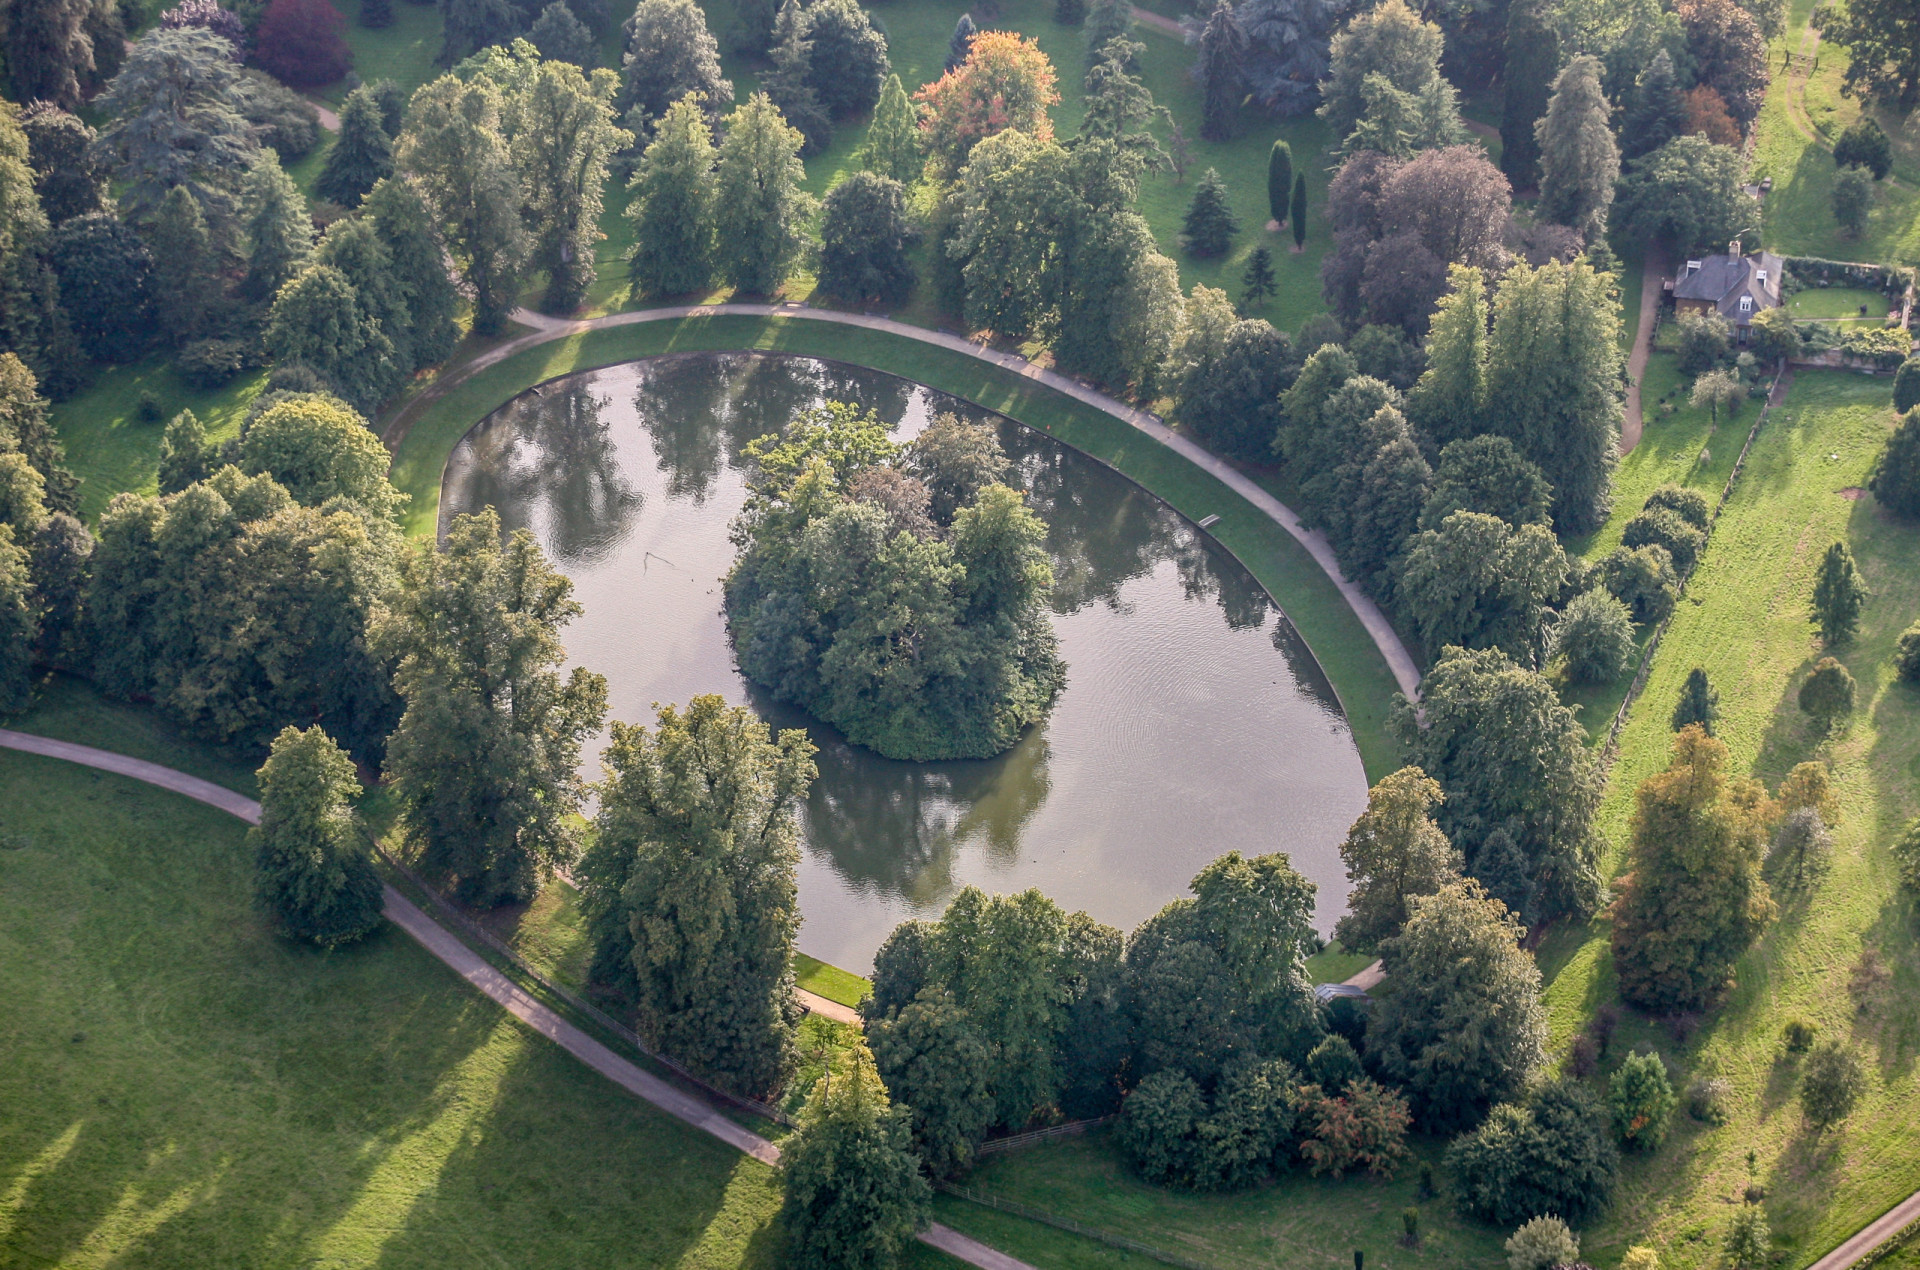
<point>1733,249</point>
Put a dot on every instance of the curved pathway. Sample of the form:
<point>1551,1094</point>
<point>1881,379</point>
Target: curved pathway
<point>469,965</point>
<point>547,329</point>
<point>1653,272</point>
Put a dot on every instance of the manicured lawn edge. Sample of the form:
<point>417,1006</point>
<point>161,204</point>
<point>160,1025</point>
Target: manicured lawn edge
<point>1354,667</point>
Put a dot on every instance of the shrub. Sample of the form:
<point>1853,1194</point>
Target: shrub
<point>1749,1242</point>
<point>1553,1154</point>
<point>1172,1135</point>
<point>1896,478</point>
<point>1665,527</point>
<point>1864,144</point>
<point>1906,385</point>
<point>1595,635</point>
<point>209,364</point>
<point>1690,504</point>
<point>1642,579</point>
<point>283,121</point>
<point>148,408</point>
<point>1831,1085</point>
<point>1364,1128</point>
<point>1852,200</point>
<point>1541,1243</point>
<point>1798,1036</point>
<point>1705,341</point>
<point>1640,1257</point>
<point>1828,694</point>
<point>1885,346</point>
<point>1906,657</point>
<point>1906,854</point>
<point>1707,1099</point>
<point>1642,1101</point>
<point>300,42</point>
<point>1333,1064</point>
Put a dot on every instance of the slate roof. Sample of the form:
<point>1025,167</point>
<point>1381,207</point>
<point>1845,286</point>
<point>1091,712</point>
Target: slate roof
<point>1722,280</point>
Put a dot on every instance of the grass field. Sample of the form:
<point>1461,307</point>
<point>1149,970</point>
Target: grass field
<point>1317,610</point>
<point>830,982</point>
<point>1746,623</point>
<point>183,1088</point>
<point>1837,302</point>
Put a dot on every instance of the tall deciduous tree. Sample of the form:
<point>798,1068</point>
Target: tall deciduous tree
<point>1391,41</point>
<point>1464,1028</point>
<point>319,450</point>
<point>1486,474</point>
<point>68,169</point>
<point>1896,479</point>
<point>49,53</point>
<point>312,873</point>
<point>1553,382</point>
<point>1511,759</point>
<point>670,54</point>
<point>854,1193</point>
<point>1883,37</point>
<point>400,217</point>
<point>1394,853</point>
<point>865,234</point>
<point>892,147</point>
<point>672,206</point>
<point>1694,901</point>
<point>173,120</point>
<point>363,154</point>
<point>1477,582</point>
<point>106,284</point>
<point>19,624</point>
<point>1533,55</point>
<point>319,321</point>
<point>1006,82</point>
<point>1579,161</point>
<point>454,147</point>
<point>1729,53</point>
<point>25,428</point>
<point>486,758</point>
<point>561,37</point>
<point>691,886</point>
<point>760,211</point>
<point>563,137</point>
<point>1687,194</point>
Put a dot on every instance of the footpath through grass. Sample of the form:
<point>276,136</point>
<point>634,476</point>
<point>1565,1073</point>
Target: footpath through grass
<point>183,1088</point>
<point>1843,957</point>
<point>1282,565</point>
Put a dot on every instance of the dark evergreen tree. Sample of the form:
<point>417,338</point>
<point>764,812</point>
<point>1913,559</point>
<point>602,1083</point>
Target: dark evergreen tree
<point>1232,400</point>
<point>1828,695</point>
<point>1069,12</point>
<point>849,57</point>
<point>1486,474</point>
<point>467,26</point>
<point>1500,867</point>
<point>1533,57</point>
<point>376,15</point>
<point>960,43</point>
<point>1865,144</point>
<point>934,1060</point>
<point>1550,1155</point>
<point>279,231</point>
<point>186,272</point>
<point>49,53</point>
<point>173,118</point>
<point>58,564</point>
<point>1896,479</point>
<point>865,236</point>
<point>1656,113</point>
<point>1209,225</point>
<point>1906,388</point>
<point>320,321</point>
<point>562,37</point>
<point>1257,282</point>
<point>1279,180</point>
<point>353,246</point>
<point>400,217</point>
<point>1107,21</point>
<point>312,870</point>
<point>1699,704</point>
<point>67,171</point>
<point>1839,594</point>
<point>1220,70</point>
<point>362,156</point>
<point>670,53</point>
<point>106,285</point>
<point>1298,212</point>
<point>790,84</point>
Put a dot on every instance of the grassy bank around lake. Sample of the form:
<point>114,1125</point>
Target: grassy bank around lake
<point>184,1088</point>
<point>1843,956</point>
<point>427,432</point>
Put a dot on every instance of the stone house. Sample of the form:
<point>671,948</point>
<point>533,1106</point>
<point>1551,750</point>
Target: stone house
<point>1736,286</point>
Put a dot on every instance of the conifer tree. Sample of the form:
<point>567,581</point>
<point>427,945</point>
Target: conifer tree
<point>353,246</point>
<point>486,757</point>
<point>186,274</point>
<point>376,15</point>
<point>1107,20</point>
<point>759,209</point>
<point>671,53</point>
<point>185,457</point>
<point>1579,161</point>
<point>692,887</point>
<point>1258,283</point>
<point>563,138</point>
<point>279,231</point>
<point>1069,12</point>
<point>1838,596</point>
<point>790,84</point>
<point>1279,180</point>
<point>1657,112</point>
<point>1298,213</point>
<point>68,172</point>
<point>1694,901</point>
<point>311,867</point>
<point>362,156</point>
<point>1699,704</point>
<point>855,1195</point>
<point>1223,51</point>
<point>454,147</point>
<point>1209,225</point>
<point>960,43</point>
<point>892,147</point>
<point>672,206</point>
<point>1533,54</point>
<point>49,53</point>
<point>400,217</point>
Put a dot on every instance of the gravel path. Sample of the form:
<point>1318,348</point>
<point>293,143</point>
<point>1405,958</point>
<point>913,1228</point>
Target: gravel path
<point>1653,273</point>
<point>469,965</point>
<point>546,329</point>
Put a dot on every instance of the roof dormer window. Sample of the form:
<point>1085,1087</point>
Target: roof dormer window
<point>1693,266</point>
<point>1746,304</point>
<point>1761,277</point>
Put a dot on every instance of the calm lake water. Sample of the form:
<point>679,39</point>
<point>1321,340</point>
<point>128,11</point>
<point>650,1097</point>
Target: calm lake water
<point>1194,720</point>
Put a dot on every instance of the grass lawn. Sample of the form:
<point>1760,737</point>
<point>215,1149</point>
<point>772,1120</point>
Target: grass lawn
<point>1317,610</point>
<point>1298,1221</point>
<point>1746,624</point>
<point>1334,964</point>
<point>403,52</point>
<point>1837,302</point>
<point>830,982</point>
<point>183,1088</point>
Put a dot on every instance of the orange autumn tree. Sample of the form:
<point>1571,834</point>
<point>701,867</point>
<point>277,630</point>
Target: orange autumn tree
<point>1694,901</point>
<point>1707,116</point>
<point>1006,82</point>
